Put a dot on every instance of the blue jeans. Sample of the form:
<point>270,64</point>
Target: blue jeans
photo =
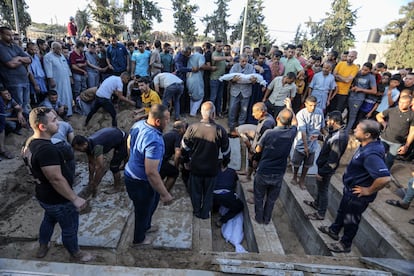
<point>93,79</point>
<point>79,84</point>
<point>174,92</point>
<point>21,94</point>
<point>391,150</point>
<point>201,192</point>
<point>238,105</point>
<point>68,218</point>
<point>216,94</point>
<point>145,200</point>
<point>266,186</point>
<point>353,107</point>
<point>409,195</point>
<point>348,216</point>
<point>322,198</point>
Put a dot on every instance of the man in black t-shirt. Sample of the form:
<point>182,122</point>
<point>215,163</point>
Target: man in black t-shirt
<point>95,146</point>
<point>172,142</point>
<point>398,134</point>
<point>54,185</point>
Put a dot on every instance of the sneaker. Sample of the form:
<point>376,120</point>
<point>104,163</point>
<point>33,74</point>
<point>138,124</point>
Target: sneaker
<point>42,251</point>
<point>82,256</point>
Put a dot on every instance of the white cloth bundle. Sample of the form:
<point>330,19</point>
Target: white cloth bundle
<point>244,78</point>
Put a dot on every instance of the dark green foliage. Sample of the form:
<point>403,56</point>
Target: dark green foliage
<point>256,32</point>
<point>401,52</point>
<point>7,15</point>
<point>143,12</point>
<point>217,22</point>
<point>185,26</point>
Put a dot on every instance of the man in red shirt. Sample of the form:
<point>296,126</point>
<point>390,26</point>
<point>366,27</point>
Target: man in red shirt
<point>78,66</point>
<point>72,30</point>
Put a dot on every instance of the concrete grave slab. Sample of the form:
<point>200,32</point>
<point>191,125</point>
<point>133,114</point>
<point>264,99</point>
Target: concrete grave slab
<point>395,266</point>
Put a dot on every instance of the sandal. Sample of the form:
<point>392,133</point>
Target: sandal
<point>311,204</point>
<point>314,216</point>
<point>329,232</point>
<point>396,203</point>
<point>338,247</point>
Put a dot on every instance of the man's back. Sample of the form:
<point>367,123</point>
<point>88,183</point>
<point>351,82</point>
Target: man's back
<point>276,145</point>
<point>205,140</point>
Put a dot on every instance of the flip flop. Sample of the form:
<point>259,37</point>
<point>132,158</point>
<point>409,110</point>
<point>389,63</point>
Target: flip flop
<point>396,203</point>
<point>314,216</point>
<point>338,247</point>
<point>329,232</point>
<point>311,204</point>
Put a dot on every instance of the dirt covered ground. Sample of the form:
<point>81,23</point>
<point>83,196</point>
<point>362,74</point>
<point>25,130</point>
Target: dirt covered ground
<point>17,187</point>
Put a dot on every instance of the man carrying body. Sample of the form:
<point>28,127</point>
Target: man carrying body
<point>240,93</point>
<point>365,175</point>
<point>111,85</point>
<point>95,146</point>
<point>272,152</point>
<point>332,150</point>
<point>202,142</point>
<point>142,179</point>
<point>54,186</point>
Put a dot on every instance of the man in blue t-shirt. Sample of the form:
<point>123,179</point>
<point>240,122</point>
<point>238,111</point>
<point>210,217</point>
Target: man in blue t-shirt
<point>365,175</point>
<point>272,152</point>
<point>117,57</point>
<point>142,179</point>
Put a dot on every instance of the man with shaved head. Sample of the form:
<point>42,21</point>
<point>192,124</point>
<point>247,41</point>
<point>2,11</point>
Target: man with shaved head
<point>201,145</point>
<point>272,152</point>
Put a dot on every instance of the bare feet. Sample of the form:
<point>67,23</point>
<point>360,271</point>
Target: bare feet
<point>302,184</point>
<point>294,180</point>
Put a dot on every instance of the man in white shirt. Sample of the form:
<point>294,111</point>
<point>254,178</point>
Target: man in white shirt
<point>111,85</point>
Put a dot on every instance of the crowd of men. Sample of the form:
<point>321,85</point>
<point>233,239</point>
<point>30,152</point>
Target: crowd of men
<point>301,101</point>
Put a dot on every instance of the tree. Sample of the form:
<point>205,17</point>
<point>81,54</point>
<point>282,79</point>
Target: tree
<point>143,12</point>
<point>82,20</point>
<point>401,52</point>
<point>185,26</point>
<point>333,32</point>
<point>7,15</point>
<point>217,22</point>
<point>108,15</point>
<point>256,32</point>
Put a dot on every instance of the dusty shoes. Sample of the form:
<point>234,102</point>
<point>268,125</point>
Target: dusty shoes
<point>81,256</point>
<point>42,251</point>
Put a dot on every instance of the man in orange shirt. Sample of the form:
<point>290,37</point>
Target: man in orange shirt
<point>344,72</point>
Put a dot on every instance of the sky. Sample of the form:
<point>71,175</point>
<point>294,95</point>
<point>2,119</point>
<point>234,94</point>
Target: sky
<point>281,17</point>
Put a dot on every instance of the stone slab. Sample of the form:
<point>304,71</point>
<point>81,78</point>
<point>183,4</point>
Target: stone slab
<point>175,229</point>
<point>339,270</point>
<point>82,269</point>
<point>395,266</point>
<point>104,224</point>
